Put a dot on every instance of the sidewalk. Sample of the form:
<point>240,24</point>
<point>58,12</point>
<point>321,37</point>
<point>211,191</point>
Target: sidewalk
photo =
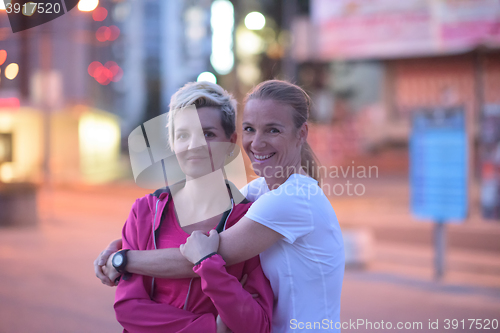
<point>48,283</point>
<point>385,210</point>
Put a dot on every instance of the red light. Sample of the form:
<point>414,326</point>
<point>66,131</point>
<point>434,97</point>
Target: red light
<point>11,102</point>
<point>103,34</point>
<point>99,14</point>
<point>3,56</point>
<point>117,73</point>
<point>115,70</point>
<point>103,75</point>
<point>115,32</point>
<point>110,64</point>
<point>94,65</point>
<point>106,73</point>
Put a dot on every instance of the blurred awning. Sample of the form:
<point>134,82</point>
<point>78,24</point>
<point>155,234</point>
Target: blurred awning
<point>346,29</point>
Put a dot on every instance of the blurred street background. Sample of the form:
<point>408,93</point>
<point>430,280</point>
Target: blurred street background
<point>405,121</point>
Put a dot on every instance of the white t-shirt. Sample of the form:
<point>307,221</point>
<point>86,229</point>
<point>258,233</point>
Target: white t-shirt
<point>306,267</point>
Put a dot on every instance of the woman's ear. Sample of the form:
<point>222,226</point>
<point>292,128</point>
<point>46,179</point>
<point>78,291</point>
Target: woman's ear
<point>233,138</point>
<point>302,133</point>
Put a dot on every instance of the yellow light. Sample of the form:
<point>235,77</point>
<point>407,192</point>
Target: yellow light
<point>11,71</point>
<point>255,21</point>
<point>6,122</point>
<point>87,5</point>
<point>249,42</point>
<point>6,172</point>
<point>207,76</point>
<point>98,133</point>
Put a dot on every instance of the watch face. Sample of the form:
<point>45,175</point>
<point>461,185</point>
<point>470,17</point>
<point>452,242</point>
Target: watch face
<point>117,260</point>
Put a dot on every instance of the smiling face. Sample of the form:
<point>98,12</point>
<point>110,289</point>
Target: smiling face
<point>271,140</point>
<point>200,142</point>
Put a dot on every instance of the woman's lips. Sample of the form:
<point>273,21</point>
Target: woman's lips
<point>262,157</point>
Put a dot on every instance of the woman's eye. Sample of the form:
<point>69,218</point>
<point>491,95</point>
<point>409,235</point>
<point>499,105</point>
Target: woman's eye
<point>248,129</point>
<point>181,136</point>
<point>274,130</point>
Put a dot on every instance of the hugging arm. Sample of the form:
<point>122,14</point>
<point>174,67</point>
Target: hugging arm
<point>137,312</point>
<point>238,309</point>
<point>241,242</point>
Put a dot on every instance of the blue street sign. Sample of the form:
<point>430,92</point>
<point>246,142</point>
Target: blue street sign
<point>438,164</point>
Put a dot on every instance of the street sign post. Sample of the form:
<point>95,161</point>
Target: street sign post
<point>438,171</point>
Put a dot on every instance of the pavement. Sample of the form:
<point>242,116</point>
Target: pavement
<point>48,283</point>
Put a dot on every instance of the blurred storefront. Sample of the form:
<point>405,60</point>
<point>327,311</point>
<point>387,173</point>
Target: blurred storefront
<point>431,53</point>
<point>84,146</point>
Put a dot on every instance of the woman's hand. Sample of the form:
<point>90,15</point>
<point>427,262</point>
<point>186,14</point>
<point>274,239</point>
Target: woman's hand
<point>198,245</point>
<point>111,272</point>
<point>102,259</point>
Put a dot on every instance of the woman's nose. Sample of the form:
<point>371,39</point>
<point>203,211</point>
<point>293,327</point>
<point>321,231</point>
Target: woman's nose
<point>258,141</point>
<point>197,140</point>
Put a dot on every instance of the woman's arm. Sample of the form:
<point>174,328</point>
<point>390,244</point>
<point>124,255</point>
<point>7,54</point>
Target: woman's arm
<point>238,309</point>
<point>243,241</point>
<point>162,263</point>
<point>137,312</point>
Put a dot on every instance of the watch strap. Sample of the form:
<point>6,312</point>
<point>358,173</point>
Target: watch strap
<point>121,267</point>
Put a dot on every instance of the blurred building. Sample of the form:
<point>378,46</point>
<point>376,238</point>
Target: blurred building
<point>122,57</point>
<point>382,60</point>
<point>67,76</point>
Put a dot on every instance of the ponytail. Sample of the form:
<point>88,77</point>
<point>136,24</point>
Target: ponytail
<point>309,162</point>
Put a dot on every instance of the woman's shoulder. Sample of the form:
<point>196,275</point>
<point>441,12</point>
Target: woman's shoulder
<point>296,187</point>
<point>146,204</point>
<point>239,211</point>
<point>256,188</point>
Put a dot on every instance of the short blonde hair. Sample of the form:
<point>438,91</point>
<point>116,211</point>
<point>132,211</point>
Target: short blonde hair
<point>201,94</point>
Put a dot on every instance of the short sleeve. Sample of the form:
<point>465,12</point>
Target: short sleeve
<point>253,190</point>
<point>284,212</point>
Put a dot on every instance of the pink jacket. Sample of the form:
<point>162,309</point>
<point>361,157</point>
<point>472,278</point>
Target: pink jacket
<point>144,304</point>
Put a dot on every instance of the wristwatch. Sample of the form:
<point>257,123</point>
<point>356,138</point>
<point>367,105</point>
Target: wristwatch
<point>119,261</point>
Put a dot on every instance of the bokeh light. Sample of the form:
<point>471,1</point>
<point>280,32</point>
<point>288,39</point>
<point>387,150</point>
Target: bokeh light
<point>3,55</point>
<point>103,75</point>
<point>114,33</point>
<point>207,76</point>
<point>103,34</point>
<point>87,5</point>
<point>116,71</point>
<point>11,71</point>
<point>255,21</point>
<point>94,65</point>
<point>249,42</point>
<point>222,22</point>
<point>110,33</point>
<point>106,73</point>
<point>100,14</point>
